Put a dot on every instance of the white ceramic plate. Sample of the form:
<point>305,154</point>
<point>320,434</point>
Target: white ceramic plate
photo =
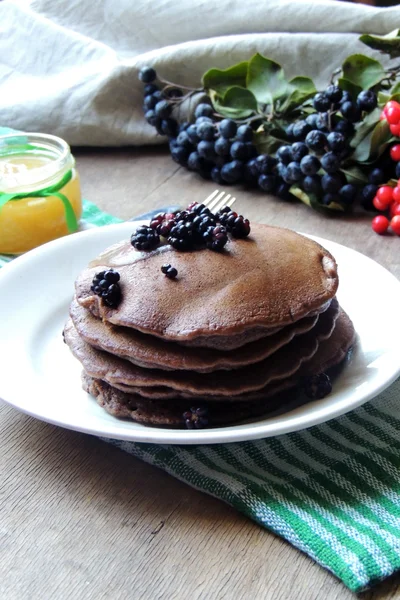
<point>39,375</point>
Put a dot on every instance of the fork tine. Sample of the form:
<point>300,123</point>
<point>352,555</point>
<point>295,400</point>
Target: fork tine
<point>211,197</point>
<point>216,201</point>
<point>228,200</point>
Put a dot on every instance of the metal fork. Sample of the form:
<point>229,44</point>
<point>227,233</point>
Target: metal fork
<point>218,200</point>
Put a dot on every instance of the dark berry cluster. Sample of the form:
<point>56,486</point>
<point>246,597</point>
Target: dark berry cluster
<point>312,159</point>
<point>145,238</point>
<point>192,228</point>
<point>196,418</point>
<point>105,284</point>
<point>318,386</point>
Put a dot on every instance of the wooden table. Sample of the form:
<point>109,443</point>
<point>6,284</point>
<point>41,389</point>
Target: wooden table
<point>83,520</point>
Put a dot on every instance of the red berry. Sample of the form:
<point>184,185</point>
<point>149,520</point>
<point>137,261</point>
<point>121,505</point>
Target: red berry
<point>385,194</point>
<point>396,193</point>
<point>394,209</point>
<point>395,152</point>
<point>395,130</point>
<point>391,104</point>
<point>395,224</point>
<point>379,205</point>
<point>380,224</point>
<point>393,115</point>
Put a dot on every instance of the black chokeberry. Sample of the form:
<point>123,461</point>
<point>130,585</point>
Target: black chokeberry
<point>368,193</point>
<point>329,198</point>
<point>350,111</point>
<point>367,100</point>
<point>163,109</point>
<point>348,193</point>
<point>191,132</point>
<point>293,172</point>
<point>310,164</point>
<point>334,94</point>
<point>227,128</point>
<point>320,102</point>
<point>311,184</point>
<point>267,183</point>
<point>376,176</point>
<point>180,154</point>
<point>300,130</point>
<point>206,149</point>
<point>330,162</point>
<point>318,386</point>
<point>149,89</point>
<point>205,130</point>
<point>216,175</point>
<point>336,141</point>
<point>299,149</point>
<point>397,171</point>
<point>147,74</point>
<point>265,164</point>
<point>244,133</point>
<point>195,161</point>
<point>222,146</point>
<point>145,238</point>
<point>316,140</point>
<point>331,182</point>
<point>232,171</point>
<point>203,110</point>
<point>239,150</point>
<point>169,127</point>
<point>284,154</point>
<point>344,127</point>
<point>183,140</point>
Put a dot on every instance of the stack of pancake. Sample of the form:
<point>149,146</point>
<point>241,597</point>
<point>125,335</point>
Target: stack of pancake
<point>236,333</point>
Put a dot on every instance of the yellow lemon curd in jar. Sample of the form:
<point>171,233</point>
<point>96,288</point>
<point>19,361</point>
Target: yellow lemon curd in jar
<point>28,164</point>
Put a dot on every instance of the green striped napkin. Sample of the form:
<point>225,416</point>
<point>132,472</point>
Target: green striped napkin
<point>333,490</point>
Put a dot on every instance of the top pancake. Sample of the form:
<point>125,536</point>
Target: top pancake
<point>269,280</point>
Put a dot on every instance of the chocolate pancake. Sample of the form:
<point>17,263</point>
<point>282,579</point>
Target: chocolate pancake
<point>153,353</point>
<point>281,364</point>
<point>280,396</point>
<point>267,281</point>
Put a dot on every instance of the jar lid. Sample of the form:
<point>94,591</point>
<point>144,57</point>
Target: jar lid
<point>29,161</point>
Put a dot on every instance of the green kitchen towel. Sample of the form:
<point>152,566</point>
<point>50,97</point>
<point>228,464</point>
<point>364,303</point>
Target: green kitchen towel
<point>333,490</point>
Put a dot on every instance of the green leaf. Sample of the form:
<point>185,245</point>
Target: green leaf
<point>373,144</point>
<point>349,86</point>
<point>267,143</point>
<point>266,79</point>
<point>395,90</point>
<point>221,80</point>
<point>389,43</point>
<point>236,103</point>
<point>312,201</point>
<point>354,175</point>
<point>363,71</point>
<point>302,89</point>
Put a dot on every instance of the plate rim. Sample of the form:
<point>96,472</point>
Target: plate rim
<point>229,434</point>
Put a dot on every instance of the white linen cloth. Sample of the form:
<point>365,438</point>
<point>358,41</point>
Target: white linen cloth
<point>70,68</point>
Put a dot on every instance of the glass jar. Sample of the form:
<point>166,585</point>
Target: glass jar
<point>40,196</point>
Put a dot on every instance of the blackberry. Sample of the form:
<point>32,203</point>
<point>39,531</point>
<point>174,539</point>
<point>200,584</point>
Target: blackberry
<point>145,238</point>
<point>367,100</point>
<point>227,129</point>
<point>105,285</point>
<point>318,386</point>
<point>163,223</point>
<point>147,74</point>
<point>236,224</point>
<point>181,236</point>
<point>196,418</point>
<point>201,223</point>
<point>203,110</point>
<point>215,238</point>
<point>169,271</point>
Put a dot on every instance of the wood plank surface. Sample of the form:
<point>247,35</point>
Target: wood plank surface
<point>82,520</point>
